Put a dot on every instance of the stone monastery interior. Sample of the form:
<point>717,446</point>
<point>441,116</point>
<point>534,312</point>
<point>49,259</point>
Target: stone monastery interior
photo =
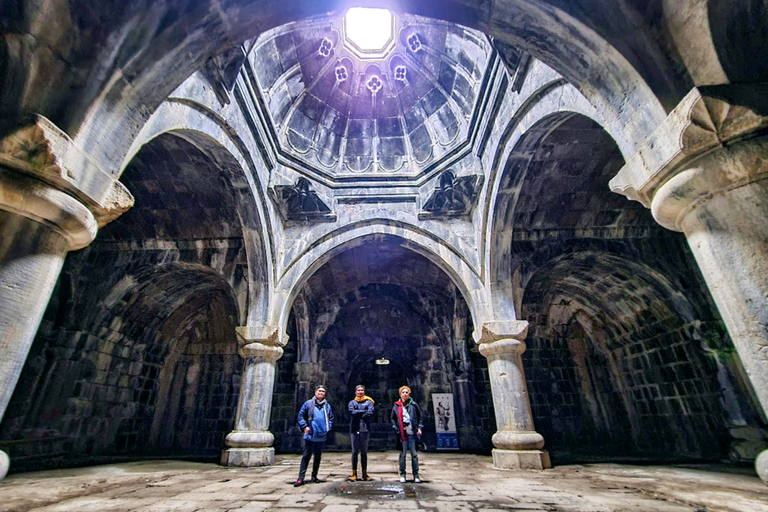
<point>556,210</point>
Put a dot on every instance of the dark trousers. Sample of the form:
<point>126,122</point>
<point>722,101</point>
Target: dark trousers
<point>311,448</point>
<point>360,445</point>
<point>409,445</point>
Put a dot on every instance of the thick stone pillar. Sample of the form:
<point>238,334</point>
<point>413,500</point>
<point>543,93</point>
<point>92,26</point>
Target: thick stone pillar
<point>52,200</point>
<point>518,445</point>
<point>704,172</point>
<point>250,444</point>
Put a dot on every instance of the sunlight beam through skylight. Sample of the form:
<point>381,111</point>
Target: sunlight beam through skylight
<point>369,29</point>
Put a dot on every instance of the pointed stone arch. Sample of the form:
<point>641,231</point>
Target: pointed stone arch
<point>524,138</point>
<point>413,238</point>
<point>211,135</point>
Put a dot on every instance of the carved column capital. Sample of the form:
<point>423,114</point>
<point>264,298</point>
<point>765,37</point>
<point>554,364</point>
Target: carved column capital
<point>710,175</point>
<point>47,178</point>
<point>257,349</point>
<point>503,346</point>
<point>702,148</point>
<point>266,334</point>
<point>261,342</point>
<point>501,330</point>
<point>47,205</point>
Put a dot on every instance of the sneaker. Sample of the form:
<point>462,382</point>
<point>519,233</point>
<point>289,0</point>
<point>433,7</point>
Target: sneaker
<point>316,480</point>
<point>402,479</point>
<point>416,479</point>
<point>298,483</point>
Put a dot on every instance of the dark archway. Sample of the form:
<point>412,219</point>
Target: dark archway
<point>615,364</point>
<point>137,355</point>
<point>554,187</point>
<point>178,347</point>
<point>376,300</point>
<point>615,306</point>
<point>155,374</point>
<point>381,381</point>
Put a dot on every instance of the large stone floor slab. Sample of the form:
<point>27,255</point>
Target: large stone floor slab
<point>452,483</point>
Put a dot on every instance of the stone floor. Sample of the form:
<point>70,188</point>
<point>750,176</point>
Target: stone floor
<point>452,483</point>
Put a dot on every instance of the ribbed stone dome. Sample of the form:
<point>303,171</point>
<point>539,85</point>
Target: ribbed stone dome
<point>347,116</point>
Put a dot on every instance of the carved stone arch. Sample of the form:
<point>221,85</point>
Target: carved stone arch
<point>577,45</point>
<point>548,100</point>
<point>687,301</point>
<point>620,260</point>
<point>189,281</point>
<point>520,142</point>
<point>299,271</point>
<point>161,308</point>
<point>211,134</point>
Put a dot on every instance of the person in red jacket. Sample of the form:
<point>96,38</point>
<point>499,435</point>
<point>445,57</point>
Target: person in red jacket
<point>406,421</point>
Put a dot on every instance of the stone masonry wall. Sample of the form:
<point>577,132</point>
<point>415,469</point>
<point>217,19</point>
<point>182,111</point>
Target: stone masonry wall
<point>109,352</point>
<point>655,396</point>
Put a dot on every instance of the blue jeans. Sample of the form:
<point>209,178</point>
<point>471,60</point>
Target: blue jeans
<point>410,446</point>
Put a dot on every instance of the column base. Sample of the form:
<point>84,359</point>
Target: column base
<point>761,466</point>
<point>521,459</point>
<point>248,457</point>
<point>5,464</point>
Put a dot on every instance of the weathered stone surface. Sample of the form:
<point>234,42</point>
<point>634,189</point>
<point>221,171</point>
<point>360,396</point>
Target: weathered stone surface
<point>577,488</point>
<point>300,203</point>
<point>137,354</point>
<point>454,196</point>
<point>248,457</point>
<point>701,177</point>
<point>521,459</point>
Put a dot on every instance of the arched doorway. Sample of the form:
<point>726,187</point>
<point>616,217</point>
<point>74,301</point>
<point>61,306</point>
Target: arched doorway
<point>382,381</point>
<point>380,300</point>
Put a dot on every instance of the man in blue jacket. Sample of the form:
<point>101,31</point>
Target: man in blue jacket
<point>315,421</point>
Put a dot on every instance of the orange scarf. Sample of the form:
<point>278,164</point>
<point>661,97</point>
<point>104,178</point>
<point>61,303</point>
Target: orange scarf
<point>364,398</point>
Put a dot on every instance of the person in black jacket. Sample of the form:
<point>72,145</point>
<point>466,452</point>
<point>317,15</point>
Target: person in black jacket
<point>406,421</point>
<point>361,409</point>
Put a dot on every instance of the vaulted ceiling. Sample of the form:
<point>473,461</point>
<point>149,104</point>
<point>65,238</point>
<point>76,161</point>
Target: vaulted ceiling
<point>393,115</point>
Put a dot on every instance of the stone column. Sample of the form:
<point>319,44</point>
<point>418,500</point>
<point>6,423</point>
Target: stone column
<point>704,172</point>
<point>518,445</point>
<point>250,444</point>
<point>52,200</point>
